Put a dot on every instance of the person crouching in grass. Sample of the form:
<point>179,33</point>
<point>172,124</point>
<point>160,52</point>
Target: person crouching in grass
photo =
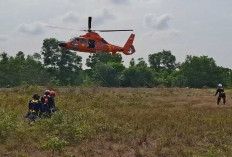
<point>34,107</point>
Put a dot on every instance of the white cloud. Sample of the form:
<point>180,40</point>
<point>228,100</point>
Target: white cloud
<point>162,21</point>
<point>158,26</point>
<point>148,20</point>
<point>71,17</point>
<point>159,23</point>
<point>103,16</point>
<point>32,28</point>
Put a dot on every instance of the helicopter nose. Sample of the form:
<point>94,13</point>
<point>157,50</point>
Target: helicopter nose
<point>62,44</point>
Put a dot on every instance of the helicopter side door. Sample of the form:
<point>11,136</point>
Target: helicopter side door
<point>91,45</point>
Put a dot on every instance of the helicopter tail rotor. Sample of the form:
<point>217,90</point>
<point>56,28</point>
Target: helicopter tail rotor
<point>129,49</point>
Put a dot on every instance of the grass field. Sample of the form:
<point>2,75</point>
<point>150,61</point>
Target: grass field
<point>118,122</point>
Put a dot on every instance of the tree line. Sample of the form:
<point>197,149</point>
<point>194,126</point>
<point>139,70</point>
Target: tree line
<point>53,66</point>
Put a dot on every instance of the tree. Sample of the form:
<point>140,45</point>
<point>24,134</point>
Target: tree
<point>4,57</point>
<point>16,70</point>
<point>163,61</point>
<point>132,62</point>
<point>4,69</point>
<point>34,72</point>
<point>102,58</point>
<point>118,67</point>
<point>141,62</point>
<point>37,56</point>
<point>138,76</point>
<point>106,75</point>
<point>200,71</point>
<point>50,52</point>
<point>225,76</point>
<point>20,56</point>
<point>63,64</point>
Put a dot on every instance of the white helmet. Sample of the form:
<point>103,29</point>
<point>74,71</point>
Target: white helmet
<point>47,92</point>
<point>219,85</point>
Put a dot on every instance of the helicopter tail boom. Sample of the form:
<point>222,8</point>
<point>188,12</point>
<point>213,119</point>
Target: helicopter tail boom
<point>128,48</point>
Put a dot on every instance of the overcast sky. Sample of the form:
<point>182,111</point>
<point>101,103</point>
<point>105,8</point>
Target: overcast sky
<point>186,27</point>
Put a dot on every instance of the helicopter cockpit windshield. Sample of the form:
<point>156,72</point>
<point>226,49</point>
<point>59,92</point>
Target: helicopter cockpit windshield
<point>72,39</point>
<point>74,43</point>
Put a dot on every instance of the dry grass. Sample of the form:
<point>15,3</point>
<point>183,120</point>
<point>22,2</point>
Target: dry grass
<point>119,122</point>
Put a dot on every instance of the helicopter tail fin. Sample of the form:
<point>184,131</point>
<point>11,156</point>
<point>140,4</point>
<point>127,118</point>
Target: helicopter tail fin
<point>128,48</point>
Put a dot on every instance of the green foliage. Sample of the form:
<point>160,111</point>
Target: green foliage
<point>118,67</point>
<point>163,61</point>
<point>102,58</point>
<point>15,70</point>
<point>107,75</point>
<point>55,82</point>
<point>64,64</point>
<point>132,62</point>
<point>141,62</point>
<point>225,76</point>
<point>138,76</point>
<point>200,71</point>
<point>50,52</point>
<point>162,79</point>
<point>8,124</point>
<point>55,144</point>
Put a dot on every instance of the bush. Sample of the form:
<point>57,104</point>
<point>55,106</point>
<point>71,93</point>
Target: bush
<point>55,144</point>
<point>8,124</point>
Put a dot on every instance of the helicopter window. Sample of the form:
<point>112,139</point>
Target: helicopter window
<point>91,44</point>
<point>72,39</point>
<point>105,42</point>
<point>83,41</point>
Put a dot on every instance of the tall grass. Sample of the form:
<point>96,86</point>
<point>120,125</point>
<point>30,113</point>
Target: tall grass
<point>159,122</point>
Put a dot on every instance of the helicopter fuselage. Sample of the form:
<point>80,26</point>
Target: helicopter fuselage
<point>91,42</point>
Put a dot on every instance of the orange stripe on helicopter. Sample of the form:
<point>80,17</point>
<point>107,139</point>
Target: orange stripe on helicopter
<point>109,47</point>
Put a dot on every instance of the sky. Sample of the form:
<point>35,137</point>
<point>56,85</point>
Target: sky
<point>185,27</point>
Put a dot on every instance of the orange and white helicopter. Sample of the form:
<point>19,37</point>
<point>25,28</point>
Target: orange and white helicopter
<point>92,42</point>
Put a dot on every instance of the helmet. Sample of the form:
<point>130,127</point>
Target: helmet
<point>36,96</point>
<point>219,85</point>
<point>47,92</point>
<point>53,93</point>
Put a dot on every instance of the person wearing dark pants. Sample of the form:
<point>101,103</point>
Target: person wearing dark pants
<point>221,94</point>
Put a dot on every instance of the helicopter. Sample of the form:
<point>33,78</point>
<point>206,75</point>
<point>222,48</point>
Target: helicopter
<point>92,42</point>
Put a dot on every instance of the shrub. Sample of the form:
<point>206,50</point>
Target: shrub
<point>8,124</point>
<point>55,144</point>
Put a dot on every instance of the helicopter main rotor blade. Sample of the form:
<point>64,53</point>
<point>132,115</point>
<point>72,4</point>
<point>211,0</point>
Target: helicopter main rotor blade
<point>115,30</point>
<point>89,23</point>
<point>108,30</point>
<point>62,28</point>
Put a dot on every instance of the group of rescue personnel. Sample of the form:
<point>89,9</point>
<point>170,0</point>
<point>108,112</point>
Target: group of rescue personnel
<point>46,106</point>
<point>42,108</point>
